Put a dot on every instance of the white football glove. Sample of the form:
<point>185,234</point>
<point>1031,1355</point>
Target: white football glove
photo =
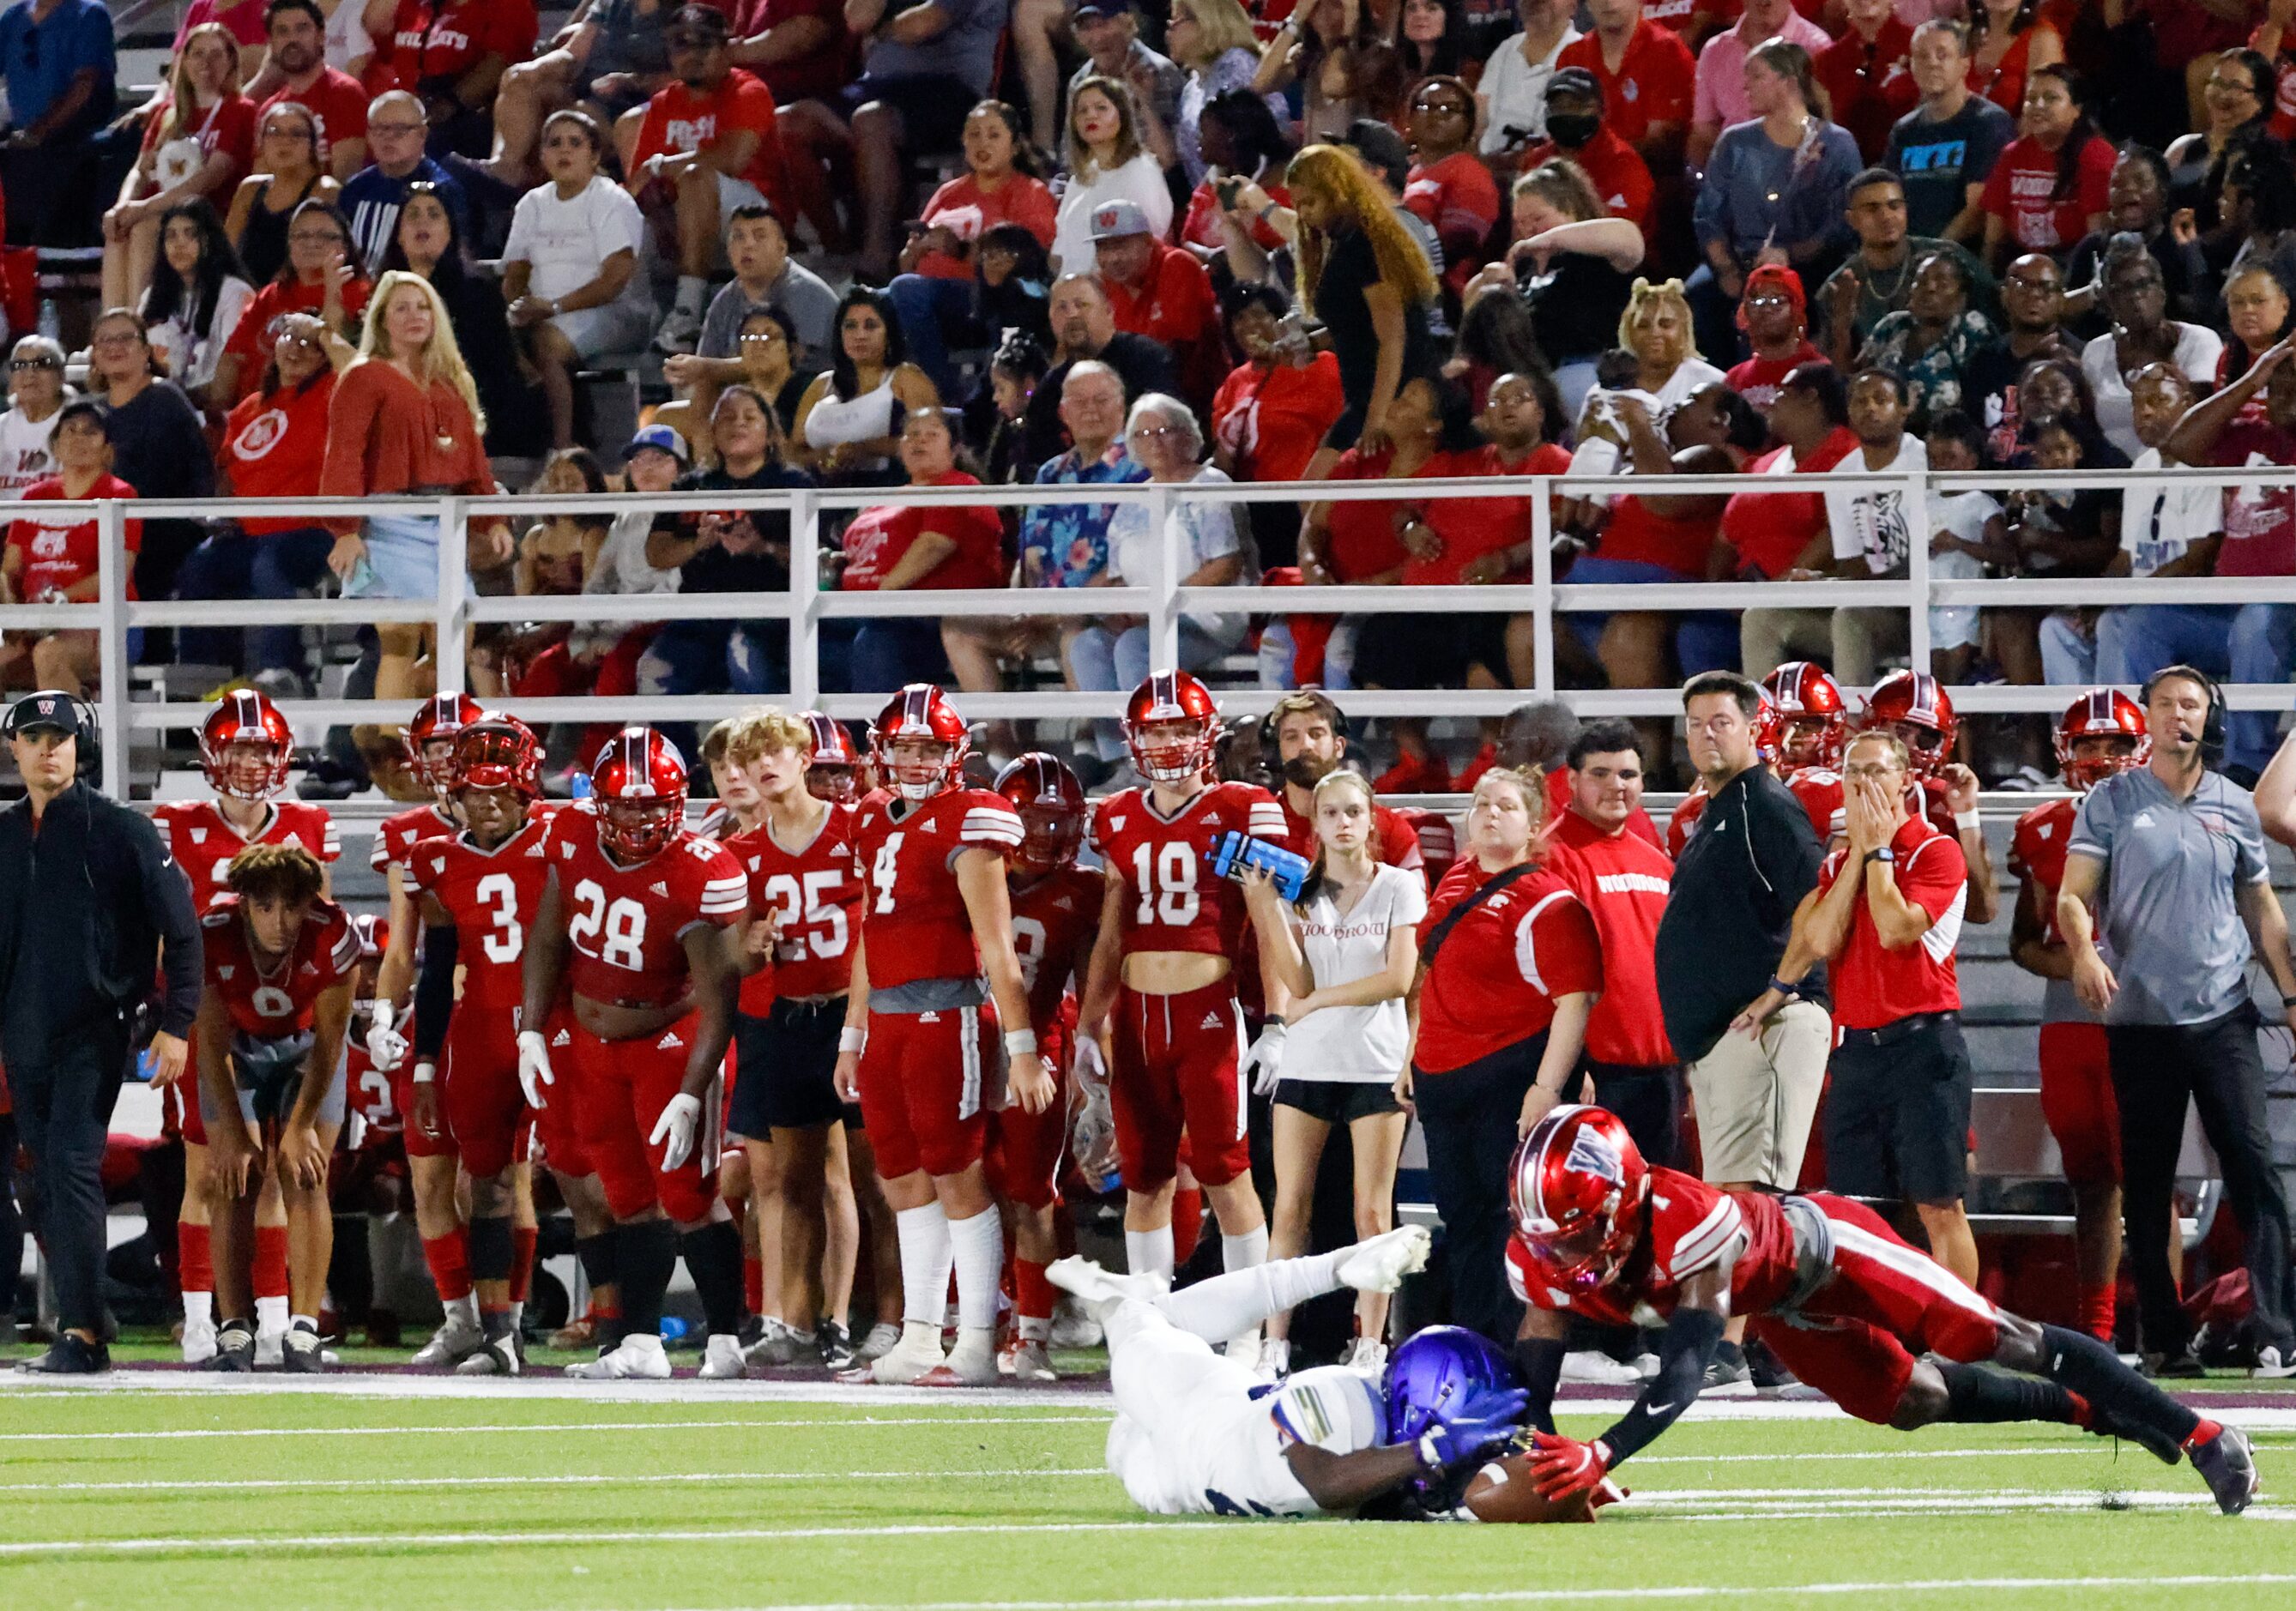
<point>1265,1062</point>
<point>673,1132</point>
<point>534,1066</point>
<point>1090,1065</point>
<point>384,1045</point>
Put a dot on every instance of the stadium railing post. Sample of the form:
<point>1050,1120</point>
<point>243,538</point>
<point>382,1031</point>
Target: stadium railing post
<point>805,599</point>
<point>1164,615</point>
<point>1914,498</point>
<point>447,652</point>
<point>1542,585</point>
<point>112,643</point>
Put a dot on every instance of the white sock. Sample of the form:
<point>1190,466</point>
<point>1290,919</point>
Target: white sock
<point>308,1322</point>
<point>1228,1305</point>
<point>1244,1251</point>
<point>466,1305</point>
<point>1148,1252</point>
<point>978,1245</point>
<point>199,1309</point>
<point>271,1315</point>
<point>925,1255</point>
<point>693,291</point>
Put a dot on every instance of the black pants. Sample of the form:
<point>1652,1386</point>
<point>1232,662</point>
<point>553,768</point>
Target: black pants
<point>1469,1117</point>
<point>2216,1065</point>
<point>63,1111</point>
<point>1647,1099</point>
<point>11,1223</point>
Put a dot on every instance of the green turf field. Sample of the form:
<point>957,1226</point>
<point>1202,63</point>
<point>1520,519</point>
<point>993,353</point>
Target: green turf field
<point>376,1496</point>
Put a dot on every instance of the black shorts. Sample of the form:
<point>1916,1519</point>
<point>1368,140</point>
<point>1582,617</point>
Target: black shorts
<point>1648,1099</point>
<point>933,108</point>
<point>1429,651</point>
<point>785,1068</point>
<point>1897,1118</point>
<point>1337,1102</point>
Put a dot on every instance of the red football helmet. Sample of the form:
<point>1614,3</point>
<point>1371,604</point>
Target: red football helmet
<point>919,713</point>
<point>245,746</point>
<point>638,786</point>
<point>1577,1190</point>
<point>1166,698</point>
<point>2101,712</point>
<point>437,720</point>
<point>1813,718</point>
<point>1769,729</point>
<point>498,752</point>
<point>1051,802</point>
<point>1915,706</point>
<point>834,773</point>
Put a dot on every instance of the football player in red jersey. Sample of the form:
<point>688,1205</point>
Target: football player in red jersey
<point>633,923</point>
<point>245,748</point>
<point>916,1048</point>
<point>1056,919</point>
<point>2102,733</point>
<point>279,961</point>
<point>836,772</point>
<point>432,1165</point>
<point>1170,933</point>
<point>1915,706</point>
<point>1856,1312</point>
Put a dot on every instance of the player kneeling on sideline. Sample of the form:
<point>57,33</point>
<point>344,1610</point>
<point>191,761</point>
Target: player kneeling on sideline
<point>1882,1330</point>
<point>1196,1431</point>
<point>279,959</point>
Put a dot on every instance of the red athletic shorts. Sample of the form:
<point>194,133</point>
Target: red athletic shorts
<point>928,1082</point>
<point>1024,1147</point>
<point>402,1097</point>
<point>482,1102</point>
<point>1856,1340</point>
<point>2078,1102</point>
<point>1178,1067</point>
<point>624,1087</point>
<point>180,1104</point>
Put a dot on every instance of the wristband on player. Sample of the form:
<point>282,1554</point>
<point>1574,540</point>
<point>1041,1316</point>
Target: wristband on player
<point>1020,1043</point>
<point>1967,820</point>
<point>851,1039</point>
<point>426,1073</point>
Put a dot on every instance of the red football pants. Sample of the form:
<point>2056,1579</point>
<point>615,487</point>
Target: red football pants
<point>1178,1067</point>
<point>1024,1147</point>
<point>2077,1101</point>
<point>624,1087</point>
<point>928,1081</point>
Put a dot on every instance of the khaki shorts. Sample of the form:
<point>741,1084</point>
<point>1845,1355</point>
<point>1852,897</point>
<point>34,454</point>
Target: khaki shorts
<point>1757,1098</point>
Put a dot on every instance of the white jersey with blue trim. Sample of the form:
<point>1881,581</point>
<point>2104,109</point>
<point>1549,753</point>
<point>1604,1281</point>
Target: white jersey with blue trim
<point>1222,1453</point>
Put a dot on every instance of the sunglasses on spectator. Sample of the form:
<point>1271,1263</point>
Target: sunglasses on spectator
<point>19,365</point>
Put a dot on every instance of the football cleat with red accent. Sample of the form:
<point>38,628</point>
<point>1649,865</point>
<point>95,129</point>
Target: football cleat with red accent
<point>919,742</point>
<point>1171,726</point>
<point>1051,802</point>
<point>637,785</point>
<point>2101,733</point>
<point>246,746</point>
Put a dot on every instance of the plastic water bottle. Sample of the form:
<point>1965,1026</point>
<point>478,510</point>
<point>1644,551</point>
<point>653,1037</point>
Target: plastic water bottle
<point>673,1330</point>
<point>578,786</point>
<point>147,1065</point>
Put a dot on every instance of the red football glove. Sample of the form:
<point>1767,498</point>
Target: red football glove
<point>1561,1466</point>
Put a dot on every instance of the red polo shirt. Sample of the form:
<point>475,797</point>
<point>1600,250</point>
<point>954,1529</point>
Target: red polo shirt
<point>1620,176</point>
<point>1873,986</point>
<point>1657,80</point>
<point>1175,304</point>
<point>1622,880</point>
<point>1494,982</point>
<point>1871,86</point>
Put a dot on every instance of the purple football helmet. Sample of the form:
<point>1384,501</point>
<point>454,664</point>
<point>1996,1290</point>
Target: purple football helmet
<point>1432,1371</point>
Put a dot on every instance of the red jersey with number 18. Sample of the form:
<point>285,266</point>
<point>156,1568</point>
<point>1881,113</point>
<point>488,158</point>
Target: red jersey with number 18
<point>628,924</point>
<point>914,915</point>
<point>274,1001</point>
<point>492,897</point>
<point>203,843</point>
<point>1173,900</point>
<point>811,893</point>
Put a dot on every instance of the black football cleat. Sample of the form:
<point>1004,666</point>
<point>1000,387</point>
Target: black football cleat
<point>302,1354</point>
<point>2226,1462</point>
<point>234,1353</point>
<point>2105,1423</point>
<point>68,1356</point>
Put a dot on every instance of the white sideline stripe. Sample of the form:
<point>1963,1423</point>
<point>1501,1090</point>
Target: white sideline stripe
<point>396,1541</point>
<point>187,1383</point>
<point>359,1485</point>
<point>584,1426</point>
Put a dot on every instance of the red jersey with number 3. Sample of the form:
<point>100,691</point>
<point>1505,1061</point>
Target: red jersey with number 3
<point>1053,920</point>
<point>1692,1226</point>
<point>396,837</point>
<point>813,893</point>
<point>1173,901</point>
<point>203,843</point>
<point>272,1002</point>
<point>914,915</point>
<point>492,897</point>
<point>628,924</point>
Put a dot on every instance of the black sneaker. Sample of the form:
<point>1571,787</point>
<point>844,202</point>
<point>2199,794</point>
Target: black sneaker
<point>234,1351</point>
<point>2184,1365</point>
<point>1727,1375</point>
<point>2227,1464</point>
<point>68,1355</point>
<point>836,1345</point>
<point>300,1353</point>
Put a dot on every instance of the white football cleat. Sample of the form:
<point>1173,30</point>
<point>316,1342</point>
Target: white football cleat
<point>1368,1354</point>
<point>918,1353</point>
<point>972,1363</point>
<point>640,1359</point>
<point>882,1338</point>
<point>721,1359</point>
<point>1275,1359</point>
<point>458,1338</point>
<point>1379,1263</point>
<point>1030,1361</point>
<point>1091,1285</point>
<point>199,1341</point>
<point>501,1356</point>
<point>1591,1365</point>
<point>270,1350</point>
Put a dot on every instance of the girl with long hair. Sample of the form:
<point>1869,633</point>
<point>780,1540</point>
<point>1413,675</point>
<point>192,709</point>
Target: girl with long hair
<point>1344,61</point>
<point>319,275</point>
<point>1106,162</point>
<point>427,241</point>
<point>287,174</point>
<point>2059,145</point>
<point>197,294</point>
<point>198,140</point>
<point>1214,41</point>
<point>848,423</point>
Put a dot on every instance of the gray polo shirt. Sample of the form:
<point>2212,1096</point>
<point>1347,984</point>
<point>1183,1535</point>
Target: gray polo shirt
<point>2170,927</point>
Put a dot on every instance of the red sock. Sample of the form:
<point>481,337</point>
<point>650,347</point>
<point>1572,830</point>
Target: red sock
<point>523,1239</point>
<point>270,1268</point>
<point>1032,1294</point>
<point>449,1258</point>
<point>2097,1309</point>
<point>194,1263</point>
<point>2208,1431</point>
<point>1187,1222</point>
<point>753,1284</point>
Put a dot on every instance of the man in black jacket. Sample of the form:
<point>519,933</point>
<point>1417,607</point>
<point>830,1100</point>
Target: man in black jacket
<point>91,904</point>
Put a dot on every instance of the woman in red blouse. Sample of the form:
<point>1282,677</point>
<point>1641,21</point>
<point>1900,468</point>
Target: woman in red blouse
<point>2052,186</point>
<point>198,141</point>
<point>53,560</point>
<point>405,420</point>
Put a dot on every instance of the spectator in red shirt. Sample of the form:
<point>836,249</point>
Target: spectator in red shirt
<point>704,146</point>
<point>1785,536</point>
<point>297,31</point>
<point>2053,183</point>
<point>1648,78</point>
<point>1578,130</point>
<point>1449,186</point>
<point>199,138</point>
<point>453,53</point>
<point>1868,75</point>
<point>1274,410</point>
<point>1162,293</point>
<point>54,561</point>
<point>320,277</point>
<point>1775,314</point>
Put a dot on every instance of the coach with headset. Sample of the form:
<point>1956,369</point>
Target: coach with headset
<point>2171,857</point>
<point>91,907</point>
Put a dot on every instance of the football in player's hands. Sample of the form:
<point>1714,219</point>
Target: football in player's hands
<point>1505,1491</point>
<point>1562,1466</point>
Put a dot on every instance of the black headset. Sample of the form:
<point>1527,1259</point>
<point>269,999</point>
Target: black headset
<point>1270,722</point>
<point>2212,725</point>
<point>89,754</point>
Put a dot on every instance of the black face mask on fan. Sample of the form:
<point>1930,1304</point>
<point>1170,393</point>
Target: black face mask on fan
<point>1572,130</point>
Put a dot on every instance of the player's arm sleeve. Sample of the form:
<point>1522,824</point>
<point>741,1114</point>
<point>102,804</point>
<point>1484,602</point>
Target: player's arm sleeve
<point>434,991</point>
<point>1685,1348</point>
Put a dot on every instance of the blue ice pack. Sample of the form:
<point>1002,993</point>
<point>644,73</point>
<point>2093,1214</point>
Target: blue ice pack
<point>1236,851</point>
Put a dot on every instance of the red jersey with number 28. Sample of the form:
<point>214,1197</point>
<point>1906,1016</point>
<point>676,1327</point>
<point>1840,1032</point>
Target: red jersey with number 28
<point>914,915</point>
<point>273,1003</point>
<point>1173,901</point>
<point>1692,1226</point>
<point>813,893</point>
<point>1052,917</point>
<point>396,836</point>
<point>628,924</point>
<point>492,897</point>
<point>203,843</point>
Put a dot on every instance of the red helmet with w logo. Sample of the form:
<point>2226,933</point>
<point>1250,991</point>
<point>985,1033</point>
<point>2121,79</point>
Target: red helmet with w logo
<point>1813,717</point>
<point>1051,802</point>
<point>1165,700</point>
<point>499,752</point>
<point>437,720</point>
<point>1577,1190</point>
<point>637,785</point>
<point>919,713</point>
<point>1770,730</point>
<point>1913,705</point>
<point>2101,712</point>
<point>834,773</point>
<point>245,746</point>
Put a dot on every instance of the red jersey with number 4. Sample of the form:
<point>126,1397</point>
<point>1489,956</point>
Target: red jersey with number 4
<point>814,895</point>
<point>274,1001</point>
<point>1692,1226</point>
<point>203,843</point>
<point>1053,920</point>
<point>914,915</point>
<point>1173,901</point>
<point>397,835</point>
<point>491,897</point>
<point>628,924</point>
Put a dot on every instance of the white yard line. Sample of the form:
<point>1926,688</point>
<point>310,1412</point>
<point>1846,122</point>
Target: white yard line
<point>729,1424</point>
<point>610,1479</point>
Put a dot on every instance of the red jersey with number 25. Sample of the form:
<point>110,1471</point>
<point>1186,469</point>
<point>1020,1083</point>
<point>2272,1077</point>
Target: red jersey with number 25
<point>273,1003</point>
<point>813,893</point>
<point>1692,1226</point>
<point>1173,901</point>
<point>1052,919</point>
<point>914,915</point>
<point>628,924</point>
<point>492,897</point>
<point>203,843</point>
<point>396,836</point>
